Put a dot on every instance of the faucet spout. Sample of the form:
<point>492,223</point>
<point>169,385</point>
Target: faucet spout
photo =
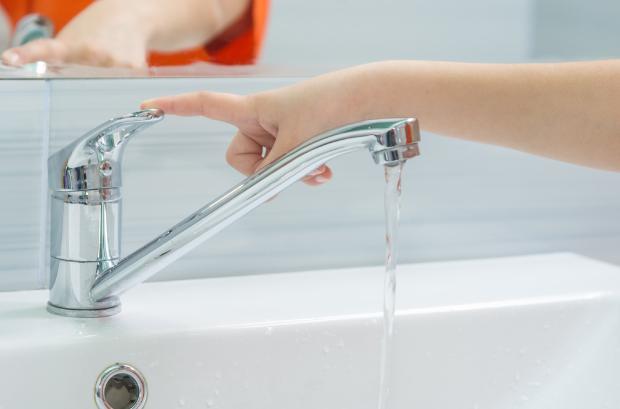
<point>390,141</point>
<point>87,272</point>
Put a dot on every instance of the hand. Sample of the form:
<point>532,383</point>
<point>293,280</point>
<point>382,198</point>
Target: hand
<point>275,122</point>
<point>120,33</point>
<point>272,123</point>
<point>103,35</point>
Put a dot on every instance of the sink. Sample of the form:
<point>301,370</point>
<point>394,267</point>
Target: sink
<point>534,332</point>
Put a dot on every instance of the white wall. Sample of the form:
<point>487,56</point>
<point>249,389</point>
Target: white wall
<point>345,32</point>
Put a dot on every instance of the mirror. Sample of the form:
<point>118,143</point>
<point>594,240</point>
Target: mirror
<point>205,38</point>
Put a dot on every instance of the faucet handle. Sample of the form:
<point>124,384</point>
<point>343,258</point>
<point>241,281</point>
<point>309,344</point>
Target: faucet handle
<point>93,160</point>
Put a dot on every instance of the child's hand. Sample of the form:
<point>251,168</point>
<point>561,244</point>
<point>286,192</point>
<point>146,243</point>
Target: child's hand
<point>270,124</point>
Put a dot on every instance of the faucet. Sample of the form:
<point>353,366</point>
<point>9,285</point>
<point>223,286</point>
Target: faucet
<point>87,274</point>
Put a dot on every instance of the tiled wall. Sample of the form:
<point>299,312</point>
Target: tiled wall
<point>460,200</point>
<point>23,134</point>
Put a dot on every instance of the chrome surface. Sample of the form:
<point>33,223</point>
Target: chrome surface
<point>87,272</point>
<point>120,386</point>
<point>84,181</point>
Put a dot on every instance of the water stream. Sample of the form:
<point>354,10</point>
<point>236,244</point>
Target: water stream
<point>392,216</point>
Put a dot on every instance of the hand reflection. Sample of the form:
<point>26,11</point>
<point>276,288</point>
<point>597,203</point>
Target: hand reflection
<point>120,33</point>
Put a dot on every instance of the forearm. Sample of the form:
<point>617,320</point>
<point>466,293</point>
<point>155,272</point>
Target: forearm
<point>569,112</point>
<point>194,22</point>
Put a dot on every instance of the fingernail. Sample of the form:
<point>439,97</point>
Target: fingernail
<point>321,179</point>
<point>10,57</point>
<point>146,103</point>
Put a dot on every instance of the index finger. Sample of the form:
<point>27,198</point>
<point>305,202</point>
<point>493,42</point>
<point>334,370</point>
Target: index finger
<point>219,106</point>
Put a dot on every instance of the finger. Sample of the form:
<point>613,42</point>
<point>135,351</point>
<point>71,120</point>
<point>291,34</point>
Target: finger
<point>319,179</point>
<point>244,154</point>
<point>317,171</point>
<point>10,57</point>
<point>50,50</point>
<point>222,107</point>
<point>281,146</point>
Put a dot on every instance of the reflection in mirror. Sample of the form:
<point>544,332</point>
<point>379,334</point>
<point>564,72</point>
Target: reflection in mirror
<point>177,38</point>
<point>132,35</point>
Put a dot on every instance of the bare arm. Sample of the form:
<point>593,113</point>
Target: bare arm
<point>569,112</point>
<point>122,32</point>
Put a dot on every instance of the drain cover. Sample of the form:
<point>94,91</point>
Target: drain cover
<point>120,386</point>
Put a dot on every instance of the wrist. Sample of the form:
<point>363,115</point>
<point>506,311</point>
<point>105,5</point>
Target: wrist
<point>364,92</point>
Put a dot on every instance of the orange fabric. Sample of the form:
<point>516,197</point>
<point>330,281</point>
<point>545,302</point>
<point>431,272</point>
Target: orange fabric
<point>59,11</point>
<point>238,44</point>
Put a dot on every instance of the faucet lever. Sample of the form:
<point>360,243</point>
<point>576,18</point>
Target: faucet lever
<point>93,160</point>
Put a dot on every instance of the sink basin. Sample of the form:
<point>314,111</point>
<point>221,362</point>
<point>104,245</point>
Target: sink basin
<point>533,332</point>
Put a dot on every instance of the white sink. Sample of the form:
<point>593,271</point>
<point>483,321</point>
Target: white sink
<point>535,332</point>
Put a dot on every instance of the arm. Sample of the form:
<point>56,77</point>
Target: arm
<point>569,112</point>
<point>121,32</point>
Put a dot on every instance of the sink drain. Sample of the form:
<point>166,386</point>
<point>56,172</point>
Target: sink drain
<point>120,387</point>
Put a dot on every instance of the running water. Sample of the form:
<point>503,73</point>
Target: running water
<point>392,216</point>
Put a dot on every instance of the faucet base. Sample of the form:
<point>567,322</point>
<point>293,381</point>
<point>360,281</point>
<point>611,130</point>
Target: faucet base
<point>82,313</point>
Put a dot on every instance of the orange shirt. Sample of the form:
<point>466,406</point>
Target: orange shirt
<point>240,43</point>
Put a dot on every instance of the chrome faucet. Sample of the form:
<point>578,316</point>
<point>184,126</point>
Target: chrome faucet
<point>87,273</point>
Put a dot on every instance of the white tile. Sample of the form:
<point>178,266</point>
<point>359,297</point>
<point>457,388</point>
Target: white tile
<point>22,120</point>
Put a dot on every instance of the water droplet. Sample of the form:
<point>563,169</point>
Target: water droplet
<point>268,331</point>
<point>210,403</point>
<point>181,402</point>
<point>326,349</point>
